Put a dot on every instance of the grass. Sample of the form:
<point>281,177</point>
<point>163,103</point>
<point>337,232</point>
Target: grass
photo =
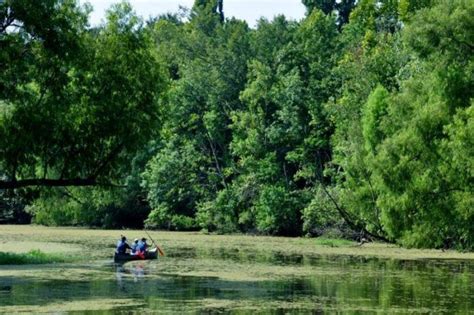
<point>333,242</point>
<point>32,257</point>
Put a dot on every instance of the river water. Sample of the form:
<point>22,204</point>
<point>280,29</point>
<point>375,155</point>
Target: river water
<point>221,282</point>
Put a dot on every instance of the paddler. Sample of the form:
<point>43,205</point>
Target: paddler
<point>142,246</point>
<point>122,246</point>
<point>135,247</point>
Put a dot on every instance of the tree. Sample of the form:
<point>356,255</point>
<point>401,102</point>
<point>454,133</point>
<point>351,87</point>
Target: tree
<point>343,8</point>
<point>273,135</point>
<point>210,73</point>
<point>397,170</point>
<point>75,103</point>
<point>372,47</point>
<point>421,204</point>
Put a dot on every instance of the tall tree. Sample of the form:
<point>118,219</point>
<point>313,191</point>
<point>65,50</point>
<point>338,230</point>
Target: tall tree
<point>75,104</point>
<point>398,172</point>
<point>211,72</point>
<point>343,8</point>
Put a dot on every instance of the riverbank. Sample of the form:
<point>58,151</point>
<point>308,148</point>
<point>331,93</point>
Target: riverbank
<point>91,244</point>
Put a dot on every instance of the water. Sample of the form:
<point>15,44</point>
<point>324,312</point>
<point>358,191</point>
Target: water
<point>224,281</point>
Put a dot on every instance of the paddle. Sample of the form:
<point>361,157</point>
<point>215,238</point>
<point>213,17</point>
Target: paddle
<point>159,249</point>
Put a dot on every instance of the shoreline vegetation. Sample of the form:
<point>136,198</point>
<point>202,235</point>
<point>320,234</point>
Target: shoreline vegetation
<point>318,165</point>
<point>70,244</point>
<point>33,257</point>
<point>190,121</point>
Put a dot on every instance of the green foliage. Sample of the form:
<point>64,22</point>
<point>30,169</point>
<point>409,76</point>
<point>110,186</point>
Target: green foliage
<point>49,212</point>
<point>333,242</point>
<point>173,185</point>
<point>75,103</point>
<point>343,8</point>
<point>85,207</point>
<point>190,167</point>
<point>220,214</point>
<point>398,183</point>
<point>95,206</point>
<point>423,204</point>
<point>277,211</point>
<point>32,257</point>
<point>355,121</point>
<point>407,8</point>
<point>320,217</point>
<point>372,118</point>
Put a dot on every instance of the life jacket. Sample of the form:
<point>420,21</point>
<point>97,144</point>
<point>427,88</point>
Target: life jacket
<point>140,254</point>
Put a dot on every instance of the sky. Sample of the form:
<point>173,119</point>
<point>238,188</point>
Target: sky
<point>249,10</point>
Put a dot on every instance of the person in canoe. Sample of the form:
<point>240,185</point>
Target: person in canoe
<point>135,247</point>
<point>142,248</point>
<point>122,246</point>
<point>142,245</point>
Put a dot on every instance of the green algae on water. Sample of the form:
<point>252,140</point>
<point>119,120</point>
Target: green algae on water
<point>99,244</point>
<point>234,274</point>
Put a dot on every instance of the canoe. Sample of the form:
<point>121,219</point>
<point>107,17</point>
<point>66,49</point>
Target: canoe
<point>121,258</point>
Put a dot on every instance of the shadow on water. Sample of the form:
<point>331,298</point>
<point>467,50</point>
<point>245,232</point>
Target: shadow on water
<point>349,284</point>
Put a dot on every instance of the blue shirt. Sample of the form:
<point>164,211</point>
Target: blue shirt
<point>122,247</point>
<point>142,246</point>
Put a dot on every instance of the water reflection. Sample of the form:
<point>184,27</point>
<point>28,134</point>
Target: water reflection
<point>342,283</point>
<point>136,270</point>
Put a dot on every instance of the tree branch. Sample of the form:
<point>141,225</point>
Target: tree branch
<point>67,193</point>
<point>43,182</point>
<point>108,159</point>
<point>7,22</point>
<point>354,225</point>
<point>221,174</point>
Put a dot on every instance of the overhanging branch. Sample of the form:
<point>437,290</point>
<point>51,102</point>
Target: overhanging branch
<point>78,182</point>
<point>354,224</point>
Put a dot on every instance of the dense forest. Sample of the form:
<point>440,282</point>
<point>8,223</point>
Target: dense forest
<point>356,121</point>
